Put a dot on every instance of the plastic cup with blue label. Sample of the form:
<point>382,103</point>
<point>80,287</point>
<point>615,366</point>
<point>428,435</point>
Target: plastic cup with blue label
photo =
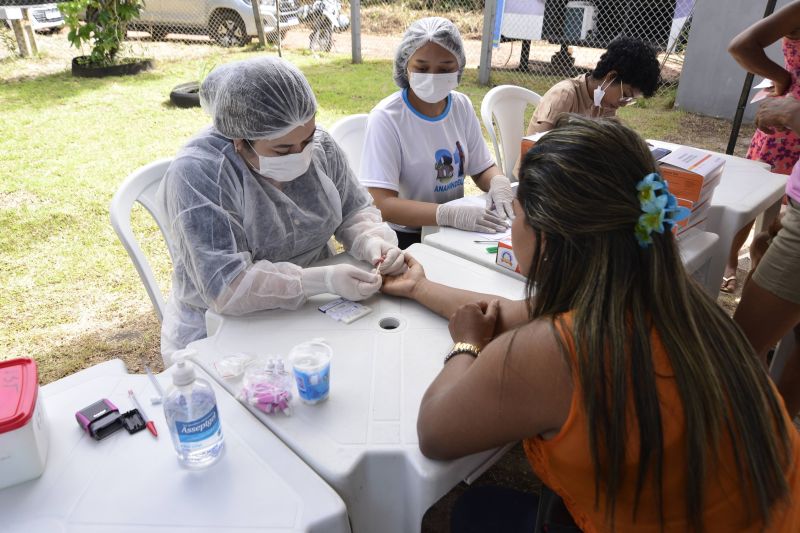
<point>311,365</point>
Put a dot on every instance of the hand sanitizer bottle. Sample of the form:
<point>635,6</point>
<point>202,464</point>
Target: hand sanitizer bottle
<point>190,408</point>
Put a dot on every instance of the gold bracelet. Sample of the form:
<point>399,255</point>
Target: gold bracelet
<point>462,347</point>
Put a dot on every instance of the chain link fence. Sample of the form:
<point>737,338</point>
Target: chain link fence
<point>227,23</point>
<point>535,43</point>
<point>538,42</point>
<point>316,24</point>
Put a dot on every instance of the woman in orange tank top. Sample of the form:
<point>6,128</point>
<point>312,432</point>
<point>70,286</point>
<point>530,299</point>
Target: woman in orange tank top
<point>639,401</point>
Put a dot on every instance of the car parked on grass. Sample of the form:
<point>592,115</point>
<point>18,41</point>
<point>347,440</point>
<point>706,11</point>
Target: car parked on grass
<point>228,22</point>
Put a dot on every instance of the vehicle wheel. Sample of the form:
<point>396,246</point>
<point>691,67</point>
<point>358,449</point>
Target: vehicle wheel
<point>186,95</point>
<point>321,40</point>
<point>227,28</point>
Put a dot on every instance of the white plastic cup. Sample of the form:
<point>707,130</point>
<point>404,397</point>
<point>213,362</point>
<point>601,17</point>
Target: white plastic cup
<point>311,366</point>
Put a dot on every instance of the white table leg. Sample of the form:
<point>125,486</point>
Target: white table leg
<point>765,219</point>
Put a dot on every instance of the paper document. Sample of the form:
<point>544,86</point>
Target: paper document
<point>760,95</point>
<point>766,87</point>
<point>469,200</point>
<point>693,160</point>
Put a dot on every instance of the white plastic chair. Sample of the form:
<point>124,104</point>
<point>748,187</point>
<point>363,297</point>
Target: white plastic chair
<point>349,133</point>
<point>141,186</point>
<point>506,104</point>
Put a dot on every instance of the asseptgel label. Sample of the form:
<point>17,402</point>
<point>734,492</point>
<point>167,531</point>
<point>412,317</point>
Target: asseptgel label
<point>200,429</point>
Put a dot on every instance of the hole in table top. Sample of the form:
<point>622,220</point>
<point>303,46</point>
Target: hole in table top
<point>389,323</point>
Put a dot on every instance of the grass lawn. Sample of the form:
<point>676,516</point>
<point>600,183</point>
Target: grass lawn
<point>71,296</point>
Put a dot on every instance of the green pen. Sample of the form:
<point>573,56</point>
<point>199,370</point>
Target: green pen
<point>491,250</point>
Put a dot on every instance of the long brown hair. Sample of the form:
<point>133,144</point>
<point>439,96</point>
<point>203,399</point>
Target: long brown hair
<point>578,192</point>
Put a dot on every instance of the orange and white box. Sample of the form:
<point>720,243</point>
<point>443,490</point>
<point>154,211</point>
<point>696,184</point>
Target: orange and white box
<point>692,176</point>
<point>505,256</point>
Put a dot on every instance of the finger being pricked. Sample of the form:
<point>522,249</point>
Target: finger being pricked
<point>393,264</point>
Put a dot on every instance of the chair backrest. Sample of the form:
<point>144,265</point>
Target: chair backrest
<point>141,186</point>
<point>506,104</point>
<point>349,134</point>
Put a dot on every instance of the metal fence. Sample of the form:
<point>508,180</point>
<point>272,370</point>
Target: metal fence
<point>536,42</point>
<point>315,24</point>
<point>533,43</point>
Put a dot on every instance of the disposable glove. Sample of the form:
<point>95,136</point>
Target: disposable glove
<point>346,281</point>
<point>501,196</point>
<point>392,261</point>
<point>470,218</point>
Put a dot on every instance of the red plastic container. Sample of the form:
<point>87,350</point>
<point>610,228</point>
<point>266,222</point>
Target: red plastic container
<point>23,425</point>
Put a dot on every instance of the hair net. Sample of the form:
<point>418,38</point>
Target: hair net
<point>428,30</point>
<point>260,98</point>
<point>239,244</point>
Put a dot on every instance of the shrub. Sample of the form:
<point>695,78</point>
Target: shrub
<point>104,27</point>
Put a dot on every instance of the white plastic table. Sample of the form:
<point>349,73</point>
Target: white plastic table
<point>133,483</point>
<point>746,192</point>
<point>363,439</point>
<point>697,251</point>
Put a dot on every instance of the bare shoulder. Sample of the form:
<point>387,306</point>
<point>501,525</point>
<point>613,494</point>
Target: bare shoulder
<point>536,346</point>
<point>784,22</point>
<point>536,372</point>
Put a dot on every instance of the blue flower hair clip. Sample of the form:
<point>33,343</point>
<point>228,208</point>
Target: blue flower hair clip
<point>659,209</point>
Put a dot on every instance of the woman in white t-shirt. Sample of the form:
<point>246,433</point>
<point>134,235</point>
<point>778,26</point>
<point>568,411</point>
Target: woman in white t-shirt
<point>422,142</point>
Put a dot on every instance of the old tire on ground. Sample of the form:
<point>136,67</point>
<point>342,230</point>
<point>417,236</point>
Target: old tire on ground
<point>82,68</point>
<point>186,95</point>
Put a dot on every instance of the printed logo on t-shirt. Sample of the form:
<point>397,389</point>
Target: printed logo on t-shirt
<point>446,164</point>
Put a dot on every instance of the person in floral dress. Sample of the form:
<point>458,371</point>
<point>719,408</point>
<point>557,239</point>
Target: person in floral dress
<point>781,148</point>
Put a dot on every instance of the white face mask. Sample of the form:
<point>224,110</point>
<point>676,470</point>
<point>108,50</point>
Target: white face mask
<point>285,167</point>
<point>432,88</point>
<point>600,92</point>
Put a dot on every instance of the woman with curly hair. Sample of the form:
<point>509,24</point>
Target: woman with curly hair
<point>627,70</point>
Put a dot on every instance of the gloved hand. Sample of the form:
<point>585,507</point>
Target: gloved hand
<point>392,261</point>
<point>346,281</point>
<point>470,218</point>
<point>501,196</point>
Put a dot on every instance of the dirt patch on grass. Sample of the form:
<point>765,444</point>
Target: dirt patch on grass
<point>17,199</point>
<point>391,19</point>
<point>56,53</point>
<point>135,339</point>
